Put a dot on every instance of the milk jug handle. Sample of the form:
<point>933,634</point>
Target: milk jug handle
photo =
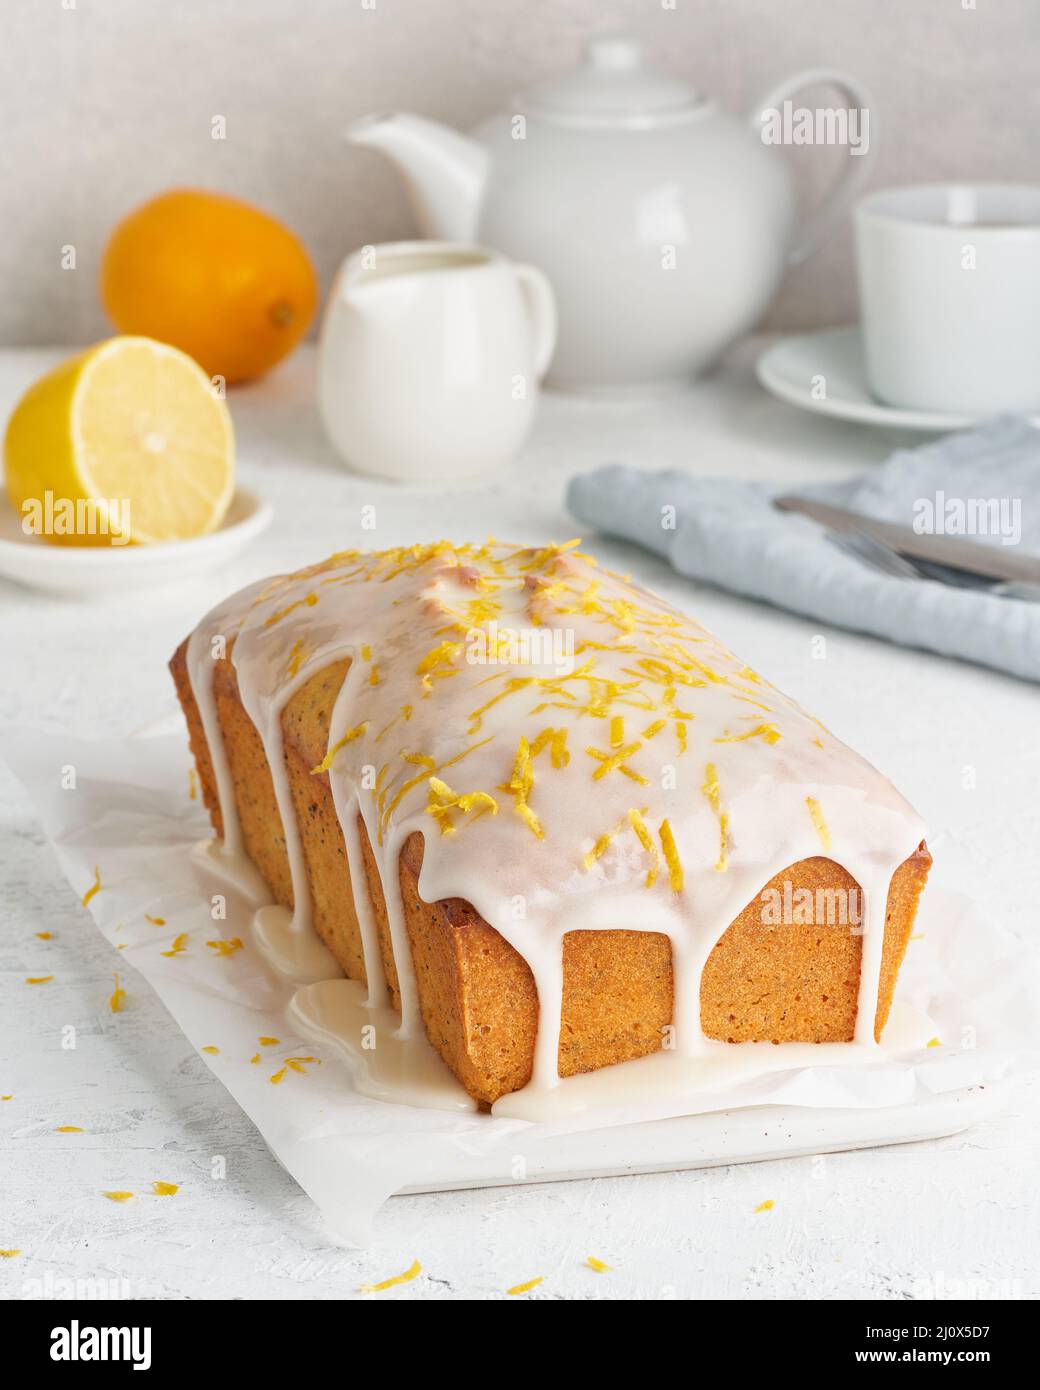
<point>541,309</point>
<point>763,116</point>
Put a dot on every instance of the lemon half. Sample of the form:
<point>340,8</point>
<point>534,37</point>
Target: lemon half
<point>126,441</point>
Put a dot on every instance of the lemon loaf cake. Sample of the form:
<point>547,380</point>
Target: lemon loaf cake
<point>551,818</point>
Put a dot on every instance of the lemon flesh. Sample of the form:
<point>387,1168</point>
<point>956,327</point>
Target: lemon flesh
<point>131,437</point>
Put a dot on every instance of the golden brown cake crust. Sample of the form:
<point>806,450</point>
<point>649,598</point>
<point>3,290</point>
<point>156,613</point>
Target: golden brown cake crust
<point>476,993</point>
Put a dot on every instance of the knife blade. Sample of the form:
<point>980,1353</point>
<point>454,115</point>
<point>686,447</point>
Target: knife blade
<point>990,561</point>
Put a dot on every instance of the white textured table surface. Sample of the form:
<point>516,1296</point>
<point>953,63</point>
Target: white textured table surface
<point>879,1224</point>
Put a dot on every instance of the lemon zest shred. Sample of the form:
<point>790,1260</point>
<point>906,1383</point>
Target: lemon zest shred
<point>816,812</point>
<point>297,1063</point>
<point>600,848</point>
<point>526,1288</point>
<point>213,1051</point>
<point>348,737</point>
<point>443,801</point>
<point>767,1205</point>
<point>769,732</point>
<point>671,856</point>
<point>94,888</point>
<point>118,1196</point>
<point>558,749</point>
<point>412,1272</point>
<point>297,656</point>
<point>598,1265</point>
<point>155,921</point>
<point>117,998</point>
<point>308,602</point>
<point>178,946</point>
<point>38,979</point>
<point>638,824</point>
<point>69,1129</point>
<point>514,684</point>
<point>226,948</point>
<point>616,762</point>
<point>9,1254</point>
<point>166,1189</point>
<point>711,791</point>
<point>520,784</point>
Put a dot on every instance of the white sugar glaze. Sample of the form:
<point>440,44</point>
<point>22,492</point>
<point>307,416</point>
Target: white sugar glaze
<point>747,782</point>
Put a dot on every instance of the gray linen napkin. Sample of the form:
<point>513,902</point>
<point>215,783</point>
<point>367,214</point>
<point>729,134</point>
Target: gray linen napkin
<point>726,532</point>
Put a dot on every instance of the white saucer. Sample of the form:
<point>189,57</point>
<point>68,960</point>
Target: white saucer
<point>91,570</point>
<point>787,370</point>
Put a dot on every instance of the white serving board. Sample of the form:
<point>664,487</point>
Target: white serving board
<point>754,1135</point>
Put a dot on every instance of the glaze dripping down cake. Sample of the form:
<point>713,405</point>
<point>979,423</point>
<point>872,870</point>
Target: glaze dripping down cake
<point>551,818</point>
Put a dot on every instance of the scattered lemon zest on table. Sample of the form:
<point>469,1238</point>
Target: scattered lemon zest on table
<point>597,1265</point>
<point>935,1042</point>
<point>268,1042</point>
<point>179,946</point>
<point>155,921</point>
<point>213,1051</point>
<point>226,948</point>
<point>38,979</point>
<point>9,1254</point>
<point>95,887</point>
<point>11,1097</point>
<point>255,1059</point>
<point>165,1189</point>
<point>412,1272</point>
<point>118,1196</point>
<point>526,1288</point>
<point>767,1205</point>
<point>45,935</point>
<point>118,998</point>
<point>296,1064</point>
<point>68,1129</point>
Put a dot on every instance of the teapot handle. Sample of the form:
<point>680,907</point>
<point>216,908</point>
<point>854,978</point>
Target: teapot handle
<point>821,222</point>
<point>541,309</point>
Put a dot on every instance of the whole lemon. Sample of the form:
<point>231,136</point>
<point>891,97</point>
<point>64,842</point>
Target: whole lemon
<point>212,275</point>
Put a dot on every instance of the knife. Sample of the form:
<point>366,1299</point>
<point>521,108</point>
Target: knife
<point>990,561</point>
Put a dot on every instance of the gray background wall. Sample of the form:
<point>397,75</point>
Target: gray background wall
<point>105,102</point>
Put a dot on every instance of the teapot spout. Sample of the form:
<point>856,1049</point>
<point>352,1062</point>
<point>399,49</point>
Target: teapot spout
<point>444,171</point>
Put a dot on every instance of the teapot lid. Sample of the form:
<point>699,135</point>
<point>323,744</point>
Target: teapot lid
<point>613,86</point>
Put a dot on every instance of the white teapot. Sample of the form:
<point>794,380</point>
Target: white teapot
<point>663,223</point>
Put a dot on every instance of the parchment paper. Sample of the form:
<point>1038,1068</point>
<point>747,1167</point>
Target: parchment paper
<point>129,817</point>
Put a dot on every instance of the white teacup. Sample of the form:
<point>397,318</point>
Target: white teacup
<point>949,286</point>
<point>431,353</point>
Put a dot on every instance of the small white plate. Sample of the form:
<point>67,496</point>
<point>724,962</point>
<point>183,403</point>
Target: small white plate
<point>788,369</point>
<point>91,570</point>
